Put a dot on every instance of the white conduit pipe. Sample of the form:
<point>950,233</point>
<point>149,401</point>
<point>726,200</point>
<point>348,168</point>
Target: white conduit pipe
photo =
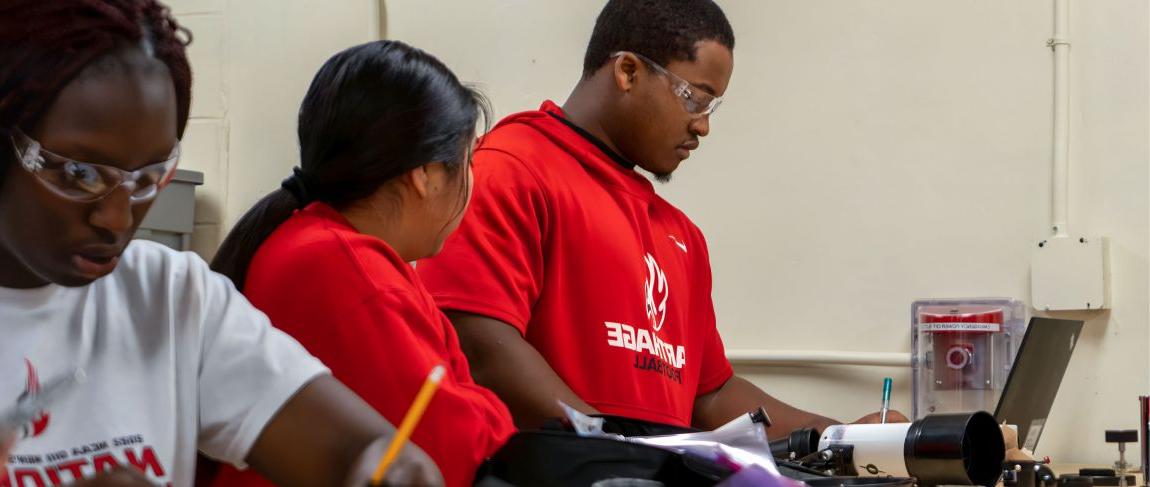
<point>817,357</point>
<point>1061,170</point>
<point>1060,189</point>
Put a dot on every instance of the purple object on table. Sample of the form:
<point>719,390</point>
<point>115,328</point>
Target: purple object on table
<point>756,476</point>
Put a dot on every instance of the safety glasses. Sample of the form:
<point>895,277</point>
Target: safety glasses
<point>695,100</point>
<point>85,182</point>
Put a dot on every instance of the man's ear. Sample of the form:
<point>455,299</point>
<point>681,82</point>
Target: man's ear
<point>623,69</point>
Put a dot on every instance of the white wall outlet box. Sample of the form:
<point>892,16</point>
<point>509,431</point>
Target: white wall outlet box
<point>1070,273</point>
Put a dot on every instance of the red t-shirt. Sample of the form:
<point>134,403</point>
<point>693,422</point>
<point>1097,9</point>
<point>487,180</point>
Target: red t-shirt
<point>357,306</point>
<point>609,281</point>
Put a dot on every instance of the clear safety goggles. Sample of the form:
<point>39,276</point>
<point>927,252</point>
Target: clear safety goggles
<point>86,182</point>
<point>695,100</point>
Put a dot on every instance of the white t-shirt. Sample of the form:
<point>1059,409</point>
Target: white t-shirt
<point>175,359</point>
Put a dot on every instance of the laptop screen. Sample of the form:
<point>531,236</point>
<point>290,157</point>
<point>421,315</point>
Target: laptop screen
<point>1037,373</point>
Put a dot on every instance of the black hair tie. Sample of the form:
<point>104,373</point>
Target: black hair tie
<point>299,186</point>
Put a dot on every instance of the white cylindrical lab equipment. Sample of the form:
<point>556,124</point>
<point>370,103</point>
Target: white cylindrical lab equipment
<point>878,448</point>
<point>941,449</point>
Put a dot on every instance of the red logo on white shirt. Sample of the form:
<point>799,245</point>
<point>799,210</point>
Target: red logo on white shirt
<point>32,386</point>
<point>657,293</point>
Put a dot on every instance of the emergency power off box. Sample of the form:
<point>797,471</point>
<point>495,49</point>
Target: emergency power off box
<point>962,352</point>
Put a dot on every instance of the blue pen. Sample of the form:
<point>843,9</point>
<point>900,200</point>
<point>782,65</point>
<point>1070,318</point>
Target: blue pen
<point>886,383</point>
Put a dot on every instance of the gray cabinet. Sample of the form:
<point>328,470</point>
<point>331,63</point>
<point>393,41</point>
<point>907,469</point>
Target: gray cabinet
<point>173,214</point>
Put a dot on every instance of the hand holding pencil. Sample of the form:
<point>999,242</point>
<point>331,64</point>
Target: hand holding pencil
<point>412,467</point>
<point>885,414</point>
<point>398,443</point>
<point>393,460</point>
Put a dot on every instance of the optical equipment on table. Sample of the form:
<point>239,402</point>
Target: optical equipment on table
<point>940,449</point>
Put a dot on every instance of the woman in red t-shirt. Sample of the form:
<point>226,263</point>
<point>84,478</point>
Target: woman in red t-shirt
<point>385,133</point>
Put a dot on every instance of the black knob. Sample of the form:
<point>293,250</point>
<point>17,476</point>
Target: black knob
<point>1044,476</point>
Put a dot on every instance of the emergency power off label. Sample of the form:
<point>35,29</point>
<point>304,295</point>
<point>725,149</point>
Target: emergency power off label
<point>957,326</point>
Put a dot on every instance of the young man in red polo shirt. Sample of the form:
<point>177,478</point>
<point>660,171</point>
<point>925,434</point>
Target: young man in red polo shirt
<point>571,278</point>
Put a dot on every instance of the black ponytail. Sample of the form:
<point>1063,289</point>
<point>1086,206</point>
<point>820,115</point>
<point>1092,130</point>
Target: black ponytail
<point>373,112</point>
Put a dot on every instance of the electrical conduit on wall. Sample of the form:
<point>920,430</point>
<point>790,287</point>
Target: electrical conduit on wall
<point>1059,215</point>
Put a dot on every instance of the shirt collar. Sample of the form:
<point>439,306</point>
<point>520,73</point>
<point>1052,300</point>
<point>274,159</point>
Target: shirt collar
<point>615,156</point>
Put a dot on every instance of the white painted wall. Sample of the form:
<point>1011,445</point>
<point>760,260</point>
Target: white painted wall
<point>252,61</point>
<point>868,154</point>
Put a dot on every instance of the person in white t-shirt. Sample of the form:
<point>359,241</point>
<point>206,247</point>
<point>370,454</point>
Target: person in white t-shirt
<point>139,356</point>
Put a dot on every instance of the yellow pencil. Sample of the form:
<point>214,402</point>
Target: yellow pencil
<point>409,421</point>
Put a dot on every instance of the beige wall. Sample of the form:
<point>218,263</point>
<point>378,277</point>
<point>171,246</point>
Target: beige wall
<point>869,153</point>
<point>252,61</point>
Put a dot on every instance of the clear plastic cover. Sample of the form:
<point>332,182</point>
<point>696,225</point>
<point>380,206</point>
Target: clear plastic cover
<point>962,352</point>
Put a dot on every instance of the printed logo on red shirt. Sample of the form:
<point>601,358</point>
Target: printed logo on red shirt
<point>657,293</point>
<point>652,353</point>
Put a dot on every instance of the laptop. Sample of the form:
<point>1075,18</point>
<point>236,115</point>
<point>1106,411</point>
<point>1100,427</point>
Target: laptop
<point>1037,373</point>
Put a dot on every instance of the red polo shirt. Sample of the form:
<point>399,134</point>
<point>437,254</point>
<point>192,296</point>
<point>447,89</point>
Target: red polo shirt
<point>609,281</point>
<point>357,306</point>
